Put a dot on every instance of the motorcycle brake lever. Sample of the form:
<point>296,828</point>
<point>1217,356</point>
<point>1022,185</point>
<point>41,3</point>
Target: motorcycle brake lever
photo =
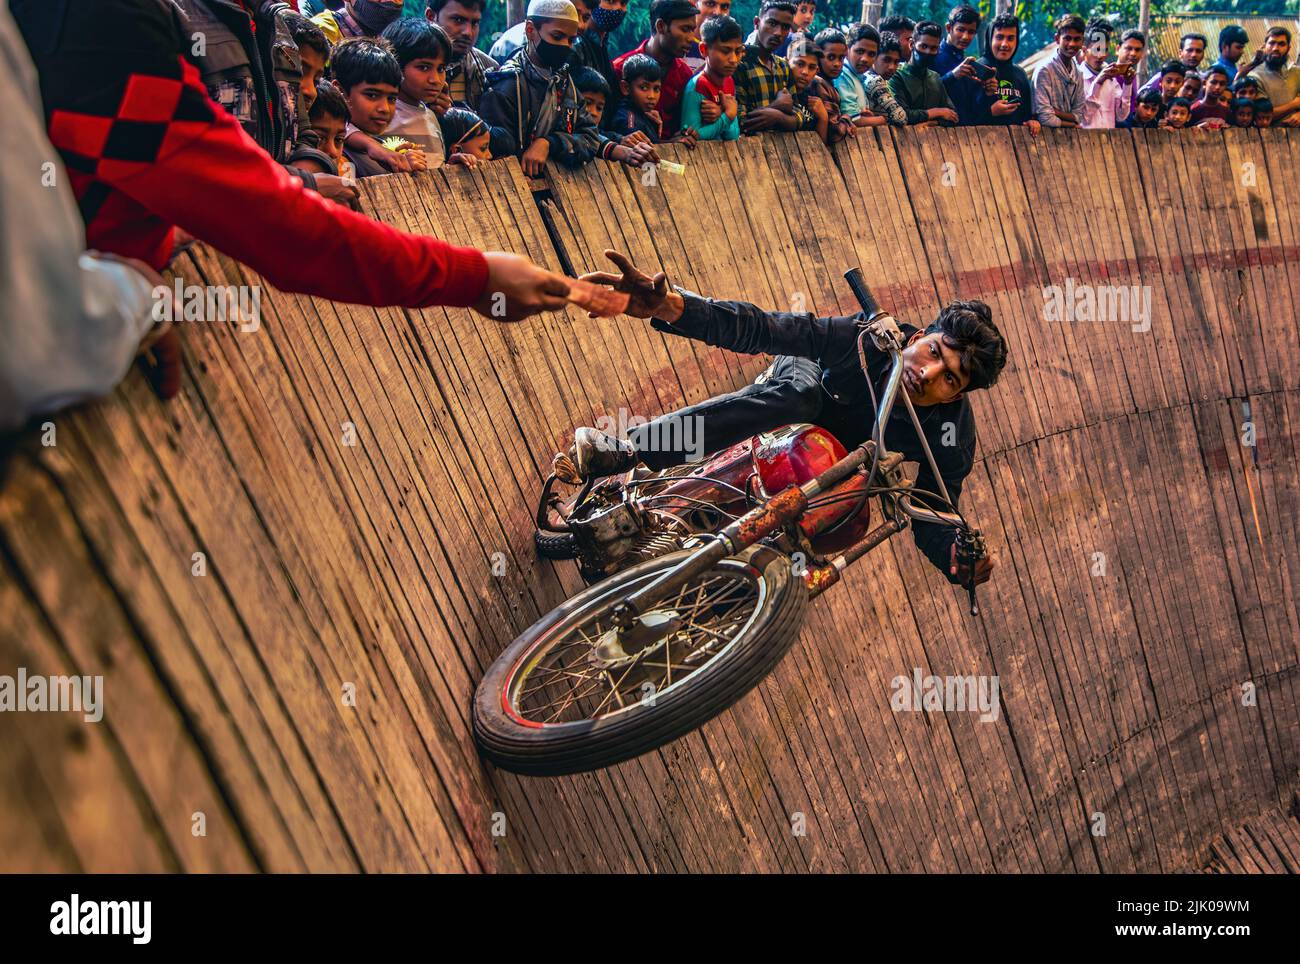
<point>885,332</point>
<point>970,550</point>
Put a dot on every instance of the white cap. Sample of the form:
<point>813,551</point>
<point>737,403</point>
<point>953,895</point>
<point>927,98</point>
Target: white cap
<point>552,10</point>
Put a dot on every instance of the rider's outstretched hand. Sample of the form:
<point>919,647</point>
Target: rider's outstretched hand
<point>983,569</point>
<point>650,297</point>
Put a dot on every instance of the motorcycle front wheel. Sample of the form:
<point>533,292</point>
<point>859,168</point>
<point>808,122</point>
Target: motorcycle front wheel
<point>573,693</point>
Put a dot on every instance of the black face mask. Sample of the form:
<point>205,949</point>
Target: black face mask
<point>923,60</point>
<point>607,21</point>
<point>552,56</point>
<point>375,16</point>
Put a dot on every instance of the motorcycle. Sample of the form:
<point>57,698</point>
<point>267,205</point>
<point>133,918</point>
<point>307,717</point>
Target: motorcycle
<point>699,577</point>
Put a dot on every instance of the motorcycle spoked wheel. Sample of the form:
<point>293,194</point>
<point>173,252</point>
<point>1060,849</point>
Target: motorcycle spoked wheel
<point>546,707</point>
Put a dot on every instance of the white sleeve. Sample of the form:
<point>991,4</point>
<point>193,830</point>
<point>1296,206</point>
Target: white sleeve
<point>72,322</point>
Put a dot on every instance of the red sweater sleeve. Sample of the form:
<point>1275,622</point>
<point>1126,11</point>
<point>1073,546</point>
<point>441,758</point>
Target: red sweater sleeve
<point>224,189</point>
<point>208,176</point>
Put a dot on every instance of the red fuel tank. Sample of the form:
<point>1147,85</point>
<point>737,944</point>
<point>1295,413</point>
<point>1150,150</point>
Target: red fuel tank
<point>793,454</point>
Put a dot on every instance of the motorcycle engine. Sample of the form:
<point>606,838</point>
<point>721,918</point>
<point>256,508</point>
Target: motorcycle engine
<point>612,532</point>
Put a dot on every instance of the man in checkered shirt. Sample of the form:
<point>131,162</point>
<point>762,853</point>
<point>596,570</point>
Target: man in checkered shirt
<point>764,84</point>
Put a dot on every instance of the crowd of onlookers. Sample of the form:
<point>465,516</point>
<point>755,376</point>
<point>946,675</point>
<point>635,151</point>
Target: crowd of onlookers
<point>210,117</point>
<point>412,93</point>
<point>416,93</point>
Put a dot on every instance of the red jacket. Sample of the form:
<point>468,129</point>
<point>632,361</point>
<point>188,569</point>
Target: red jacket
<point>146,149</point>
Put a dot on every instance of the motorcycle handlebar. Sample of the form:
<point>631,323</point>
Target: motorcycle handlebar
<point>929,515</point>
<point>858,285</point>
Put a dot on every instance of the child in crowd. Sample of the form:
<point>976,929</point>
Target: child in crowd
<point>846,57</point>
<point>320,145</point>
<point>1178,113</point>
<point>1147,112</point>
<point>1191,88</point>
<point>1172,75</point>
<point>1243,112</point>
<point>811,92</point>
<point>467,137</point>
<point>313,55</point>
<point>834,46</point>
<point>1248,87</point>
<point>369,77</point>
<point>635,148</point>
<point>1263,112</point>
<point>880,70</point>
<point>887,60</point>
<point>721,44</point>
<point>422,50</point>
<point>642,81</point>
<point>1212,110</point>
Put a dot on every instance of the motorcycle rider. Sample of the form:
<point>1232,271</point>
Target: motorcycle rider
<point>817,378</point>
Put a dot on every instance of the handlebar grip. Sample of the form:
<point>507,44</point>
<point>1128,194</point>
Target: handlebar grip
<point>860,291</point>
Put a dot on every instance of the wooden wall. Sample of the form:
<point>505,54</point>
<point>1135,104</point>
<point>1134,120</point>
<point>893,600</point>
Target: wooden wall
<point>1147,561</point>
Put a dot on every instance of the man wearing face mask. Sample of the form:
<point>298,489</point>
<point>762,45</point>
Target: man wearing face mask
<point>916,86</point>
<point>532,105</point>
<point>358,18</point>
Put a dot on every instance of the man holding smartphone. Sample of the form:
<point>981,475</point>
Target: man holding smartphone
<point>1103,100</point>
<point>963,77</point>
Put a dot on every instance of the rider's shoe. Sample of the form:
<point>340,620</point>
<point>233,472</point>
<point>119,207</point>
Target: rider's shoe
<point>596,454</point>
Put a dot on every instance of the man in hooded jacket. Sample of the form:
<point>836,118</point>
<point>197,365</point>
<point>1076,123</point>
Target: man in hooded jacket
<point>1007,96</point>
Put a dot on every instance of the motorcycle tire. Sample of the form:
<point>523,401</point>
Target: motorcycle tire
<point>516,743</point>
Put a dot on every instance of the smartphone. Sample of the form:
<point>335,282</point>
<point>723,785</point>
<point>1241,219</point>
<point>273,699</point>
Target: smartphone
<point>983,71</point>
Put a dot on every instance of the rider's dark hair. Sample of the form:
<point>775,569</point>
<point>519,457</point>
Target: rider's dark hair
<point>967,328</point>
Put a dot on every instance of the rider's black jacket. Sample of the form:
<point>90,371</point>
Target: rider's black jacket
<point>847,410</point>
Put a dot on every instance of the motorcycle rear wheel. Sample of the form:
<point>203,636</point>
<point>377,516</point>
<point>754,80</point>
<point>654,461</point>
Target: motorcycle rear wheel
<point>564,699</point>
